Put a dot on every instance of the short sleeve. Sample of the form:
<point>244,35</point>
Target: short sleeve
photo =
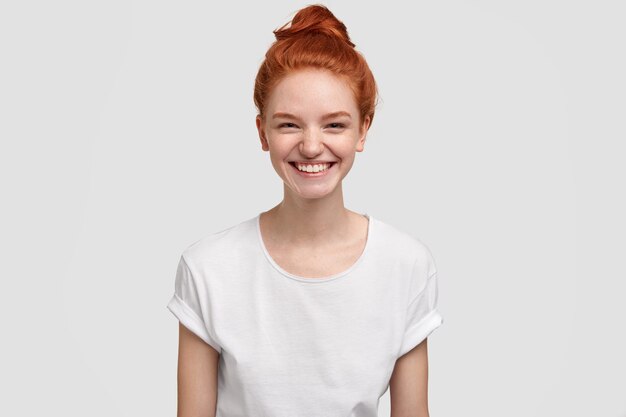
<point>188,303</point>
<point>422,314</point>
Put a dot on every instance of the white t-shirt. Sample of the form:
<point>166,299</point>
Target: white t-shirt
<point>292,346</point>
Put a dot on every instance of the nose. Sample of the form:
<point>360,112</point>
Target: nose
<point>312,143</point>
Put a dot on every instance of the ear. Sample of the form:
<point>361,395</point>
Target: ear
<point>363,133</point>
<point>260,126</point>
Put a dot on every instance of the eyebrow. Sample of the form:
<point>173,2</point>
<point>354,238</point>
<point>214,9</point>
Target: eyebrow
<point>326,116</point>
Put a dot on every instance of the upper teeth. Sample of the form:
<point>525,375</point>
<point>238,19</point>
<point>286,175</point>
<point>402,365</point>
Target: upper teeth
<point>312,168</point>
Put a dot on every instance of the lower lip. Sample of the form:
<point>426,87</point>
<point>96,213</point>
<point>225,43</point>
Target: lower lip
<point>313,174</point>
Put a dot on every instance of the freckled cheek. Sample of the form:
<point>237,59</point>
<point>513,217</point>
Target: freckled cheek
<point>282,145</point>
<point>280,149</point>
<point>344,151</point>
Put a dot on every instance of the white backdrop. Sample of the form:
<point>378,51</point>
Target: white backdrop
<point>127,132</point>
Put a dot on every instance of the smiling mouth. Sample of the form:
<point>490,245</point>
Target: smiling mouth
<point>293,164</point>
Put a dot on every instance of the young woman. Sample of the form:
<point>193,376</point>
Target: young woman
<point>307,309</point>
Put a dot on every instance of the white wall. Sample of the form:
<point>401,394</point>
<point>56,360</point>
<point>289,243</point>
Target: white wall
<point>127,132</point>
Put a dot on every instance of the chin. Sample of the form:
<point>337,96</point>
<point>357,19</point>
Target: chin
<point>313,195</point>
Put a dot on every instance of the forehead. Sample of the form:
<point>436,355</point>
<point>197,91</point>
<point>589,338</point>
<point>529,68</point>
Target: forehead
<point>312,91</point>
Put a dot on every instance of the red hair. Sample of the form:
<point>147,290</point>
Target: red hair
<point>316,38</point>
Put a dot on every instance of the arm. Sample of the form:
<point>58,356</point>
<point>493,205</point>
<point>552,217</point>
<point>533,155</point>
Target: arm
<point>409,383</point>
<point>197,376</point>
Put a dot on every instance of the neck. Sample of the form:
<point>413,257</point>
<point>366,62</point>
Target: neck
<point>313,221</point>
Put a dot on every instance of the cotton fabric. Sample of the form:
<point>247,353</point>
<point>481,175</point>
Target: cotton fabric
<point>312,347</point>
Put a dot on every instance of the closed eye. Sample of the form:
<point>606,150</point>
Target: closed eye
<point>332,125</point>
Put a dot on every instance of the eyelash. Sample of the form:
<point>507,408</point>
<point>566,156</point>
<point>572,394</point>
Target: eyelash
<point>340,125</point>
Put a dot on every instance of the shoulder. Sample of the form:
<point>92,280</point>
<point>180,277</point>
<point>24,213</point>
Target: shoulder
<point>407,246</point>
<point>223,245</point>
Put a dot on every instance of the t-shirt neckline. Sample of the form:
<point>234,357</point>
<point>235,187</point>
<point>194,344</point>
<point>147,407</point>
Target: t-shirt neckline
<point>333,277</point>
